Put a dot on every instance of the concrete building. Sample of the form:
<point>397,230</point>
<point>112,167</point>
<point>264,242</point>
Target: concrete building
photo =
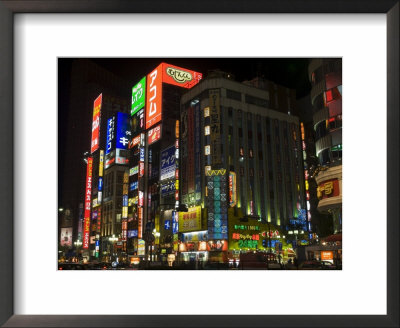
<point>326,98</point>
<point>228,129</point>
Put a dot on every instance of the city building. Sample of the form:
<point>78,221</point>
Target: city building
<point>326,100</point>
<point>88,80</point>
<point>106,164</point>
<point>241,171</point>
<point>154,161</point>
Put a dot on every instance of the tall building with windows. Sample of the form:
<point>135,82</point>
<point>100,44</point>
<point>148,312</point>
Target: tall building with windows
<point>239,158</point>
<point>326,98</point>
<point>88,80</point>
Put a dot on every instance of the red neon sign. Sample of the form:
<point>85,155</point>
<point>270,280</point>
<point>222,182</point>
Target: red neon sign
<point>88,194</point>
<point>96,123</point>
<point>179,76</point>
<point>154,134</point>
<point>154,97</point>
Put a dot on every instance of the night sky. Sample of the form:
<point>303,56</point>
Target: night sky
<point>289,72</point>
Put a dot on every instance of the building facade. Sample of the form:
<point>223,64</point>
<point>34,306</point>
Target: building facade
<point>326,98</point>
<point>239,160</point>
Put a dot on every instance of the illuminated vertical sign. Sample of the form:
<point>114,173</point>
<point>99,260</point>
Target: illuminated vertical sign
<point>140,222</point>
<point>110,142</point>
<point>215,133</point>
<point>168,163</point>
<point>80,222</point>
<point>216,202</point>
<point>177,163</point>
<point>96,124</point>
<point>232,189</point>
<point>88,192</point>
<point>138,96</point>
<point>197,151</point>
<point>190,148</point>
<point>306,175</point>
<point>154,97</point>
<point>123,131</point>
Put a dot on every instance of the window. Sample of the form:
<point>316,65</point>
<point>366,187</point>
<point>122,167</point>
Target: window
<point>231,94</point>
<point>256,101</point>
<point>260,154</point>
<point>320,130</point>
<point>333,94</point>
<point>240,133</point>
<point>250,134</point>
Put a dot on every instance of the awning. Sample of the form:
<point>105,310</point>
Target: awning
<point>333,238</point>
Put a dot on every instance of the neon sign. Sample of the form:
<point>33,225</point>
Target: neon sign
<point>96,124</point>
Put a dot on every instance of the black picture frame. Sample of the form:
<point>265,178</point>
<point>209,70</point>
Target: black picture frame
<point>7,11</point>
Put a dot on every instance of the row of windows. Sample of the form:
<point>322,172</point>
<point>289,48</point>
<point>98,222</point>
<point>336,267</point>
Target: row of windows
<point>330,155</point>
<point>324,127</point>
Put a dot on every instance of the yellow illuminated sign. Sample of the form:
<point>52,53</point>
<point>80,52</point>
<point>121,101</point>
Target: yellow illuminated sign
<point>191,220</point>
<point>328,188</point>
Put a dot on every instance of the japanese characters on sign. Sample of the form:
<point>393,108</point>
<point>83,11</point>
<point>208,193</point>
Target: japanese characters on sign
<point>190,147</point>
<point>168,188</point>
<point>168,163</point>
<point>154,97</point>
<point>138,96</point>
<point>179,76</point>
<point>232,189</point>
<point>110,141</point>
<point>215,126</point>
<point>191,220</point>
<point>123,131</point>
<point>154,134</point>
<point>88,195</point>
<point>96,124</point>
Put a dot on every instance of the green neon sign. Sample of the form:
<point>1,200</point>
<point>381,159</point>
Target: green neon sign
<point>138,96</point>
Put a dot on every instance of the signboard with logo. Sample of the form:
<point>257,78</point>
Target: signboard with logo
<point>123,131</point>
<point>168,188</point>
<point>326,255</point>
<point>138,96</point>
<point>232,189</point>
<point>217,204</point>
<point>154,97</point>
<point>191,220</point>
<point>217,245</point>
<point>132,233</point>
<point>197,150</point>
<point>328,189</point>
<point>154,135</point>
<point>141,247</point>
<point>168,163</point>
<point>66,237</point>
<point>215,126</point>
<point>110,141</point>
<point>96,124</point>
<point>88,195</point>
<point>175,222</point>
<point>179,76</point>
<point>137,121</point>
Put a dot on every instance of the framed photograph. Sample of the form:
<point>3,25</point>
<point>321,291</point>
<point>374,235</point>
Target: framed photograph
<point>175,251</point>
